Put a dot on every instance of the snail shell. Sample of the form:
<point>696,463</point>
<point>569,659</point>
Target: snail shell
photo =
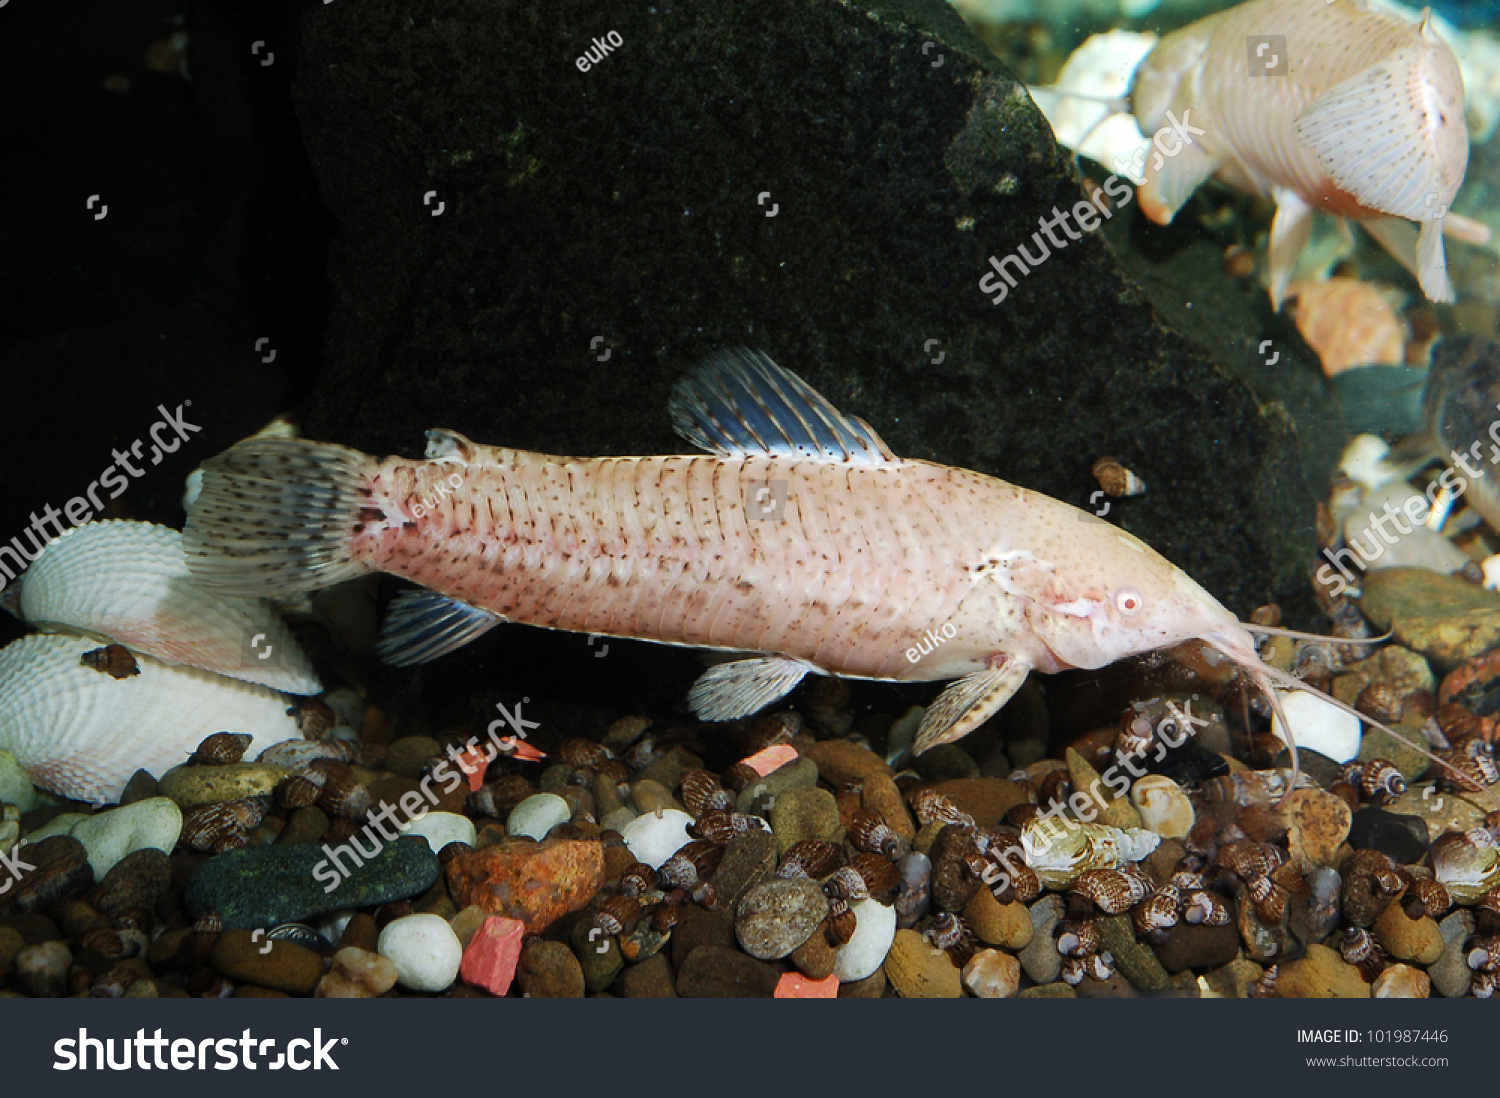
<point>1111,891</point>
<point>128,582</point>
<point>1466,865</point>
<point>82,734</point>
<point>1059,850</point>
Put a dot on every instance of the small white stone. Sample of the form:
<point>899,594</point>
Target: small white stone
<point>656,836</point>
<point>15,786</point>
<point>874,931</point>
<point>424,950</point>
<point>109,836</point>
<point>57,825</point>
<point>1164,806</point>
<point>537,815</point>
<point>1402,982</point>
<point>1319,726</point>
<point>991,974</point>
<point>442,828</point>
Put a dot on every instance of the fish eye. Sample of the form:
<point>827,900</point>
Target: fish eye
<point>1128,601</point>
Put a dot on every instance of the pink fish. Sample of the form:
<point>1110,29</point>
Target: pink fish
<point>1340,107</point>
<point>799,542</point>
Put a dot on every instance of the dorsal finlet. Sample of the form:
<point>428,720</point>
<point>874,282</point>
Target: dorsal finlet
<point>739,402</point>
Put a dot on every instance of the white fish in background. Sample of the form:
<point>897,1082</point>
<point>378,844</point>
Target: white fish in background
<point>128,582</point>
<point>82,733</point>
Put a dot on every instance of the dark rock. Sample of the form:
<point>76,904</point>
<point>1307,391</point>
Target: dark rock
<point>264,886</point>
<point>1404,838</point>
<point>247,957</point>
<point>953,882</point>
<point>140,787</point>
<point>600,958</point>
<point>60,872</point>
<point>1189,765</point>
<point>653,978</point>
<point>32,927</point>
<point>548,970</point>
<point>1196,946</point>
<point>1316,765</point>
<point>140,879</point>
<point>697,928</point>
<point>713,972</point>
<point>895,182</point>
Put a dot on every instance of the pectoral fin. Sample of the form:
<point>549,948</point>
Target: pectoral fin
<point>1289,232</point>
<point>423,625</point>
<point>1171,181</point>
<point>737,689</point>
<point>968,703</point>
<point>1420,252</point>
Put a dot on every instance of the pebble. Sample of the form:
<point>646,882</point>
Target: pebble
<point>1382,745</point>
<point>1049,991</point>
<point>699,927</point>
<point>111,835</point>
<point>304,825</point>
<point>991,974</point>
<point>653,978</point>
<point>492,952</point>
<point>537,883</point>
<point>189,785</point>
<point>865,953</point>
<point>954,884</point>
<point>918,971</point>
<point>914,892</point>
<point>598,956</point>
<point>794,985</point>
<point>656,837</point>
<point>1451,975</point>
<point>777,916</point>
<point>1134,959</point>
<point>1405,939</point>
<point>1096,799</point>
<point>60,872</point>
<point>715,972</point>
<point>137,880</point>
<point>1441,812</point>
<point>1005,925</point>
<point>537,815</point>
<point>442,828</point>
<point>357,974</point>
<point>61,824</point>
<point>670,767</point>
<point>424,950</point>
<point>41,971</point>
<point>407,756</point>
<point>944,762</point>
<point>759,795</point>
<point>15,785</point>
<point>649,796</point>
<point>1318,725</point>
<point>1320,974</point>
<point>265,886</point>
<point>840,761</point>
<point>1401,668</point>
<point>815,958</point>
<point>882,795</point>
<point>1401,982</point>
<point>748,860</point>
<point>548,970</point>
<point>985,799</point>
<point>805,813</point>
<point>361,933</point>
<point>871,987</point>
<point>1315,911</point>
<point>1163,805</point>
<point>11,943</point>
<point>242,956</point>
<point>1040,960</point>
<point>1233,980</point>
<point>1319,825</point>
<point>1445,618</point>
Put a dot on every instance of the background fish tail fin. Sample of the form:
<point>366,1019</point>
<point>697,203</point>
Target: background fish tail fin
<point>276,516</point>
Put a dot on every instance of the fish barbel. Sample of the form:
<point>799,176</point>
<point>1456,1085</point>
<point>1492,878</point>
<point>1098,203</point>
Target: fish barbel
<point>1340,107</point>
<point>799,540</point>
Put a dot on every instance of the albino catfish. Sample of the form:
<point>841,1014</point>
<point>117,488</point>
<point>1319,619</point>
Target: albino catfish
<point>799,541</point>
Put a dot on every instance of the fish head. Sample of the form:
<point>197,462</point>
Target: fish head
<point>1111,596</point>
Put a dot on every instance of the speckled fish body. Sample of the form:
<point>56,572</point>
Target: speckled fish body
<point>800,540</point>
<point>1345,109</point>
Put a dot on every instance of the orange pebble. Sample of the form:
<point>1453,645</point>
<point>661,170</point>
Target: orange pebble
<point>771,758</point>
<point>794,985</point>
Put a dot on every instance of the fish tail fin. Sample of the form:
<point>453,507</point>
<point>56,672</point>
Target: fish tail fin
<point>277,516</point>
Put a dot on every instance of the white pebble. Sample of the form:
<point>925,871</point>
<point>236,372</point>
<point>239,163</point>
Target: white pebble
<point>874,931</point>
<point>1319,726</point>
<point>656,836</point>
<point>109,836</point>
<point>442,828</point>
<point>537,815</point>
<point>424,950</point>
<point>991,974</point>
<point>57,825</point>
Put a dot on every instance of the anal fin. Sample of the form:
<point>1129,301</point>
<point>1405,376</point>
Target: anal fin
<point>1420,252</point>
<point>737,689</point>
<point>423,625</point>
<point>1290,229</point>
<point>968,703</point>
